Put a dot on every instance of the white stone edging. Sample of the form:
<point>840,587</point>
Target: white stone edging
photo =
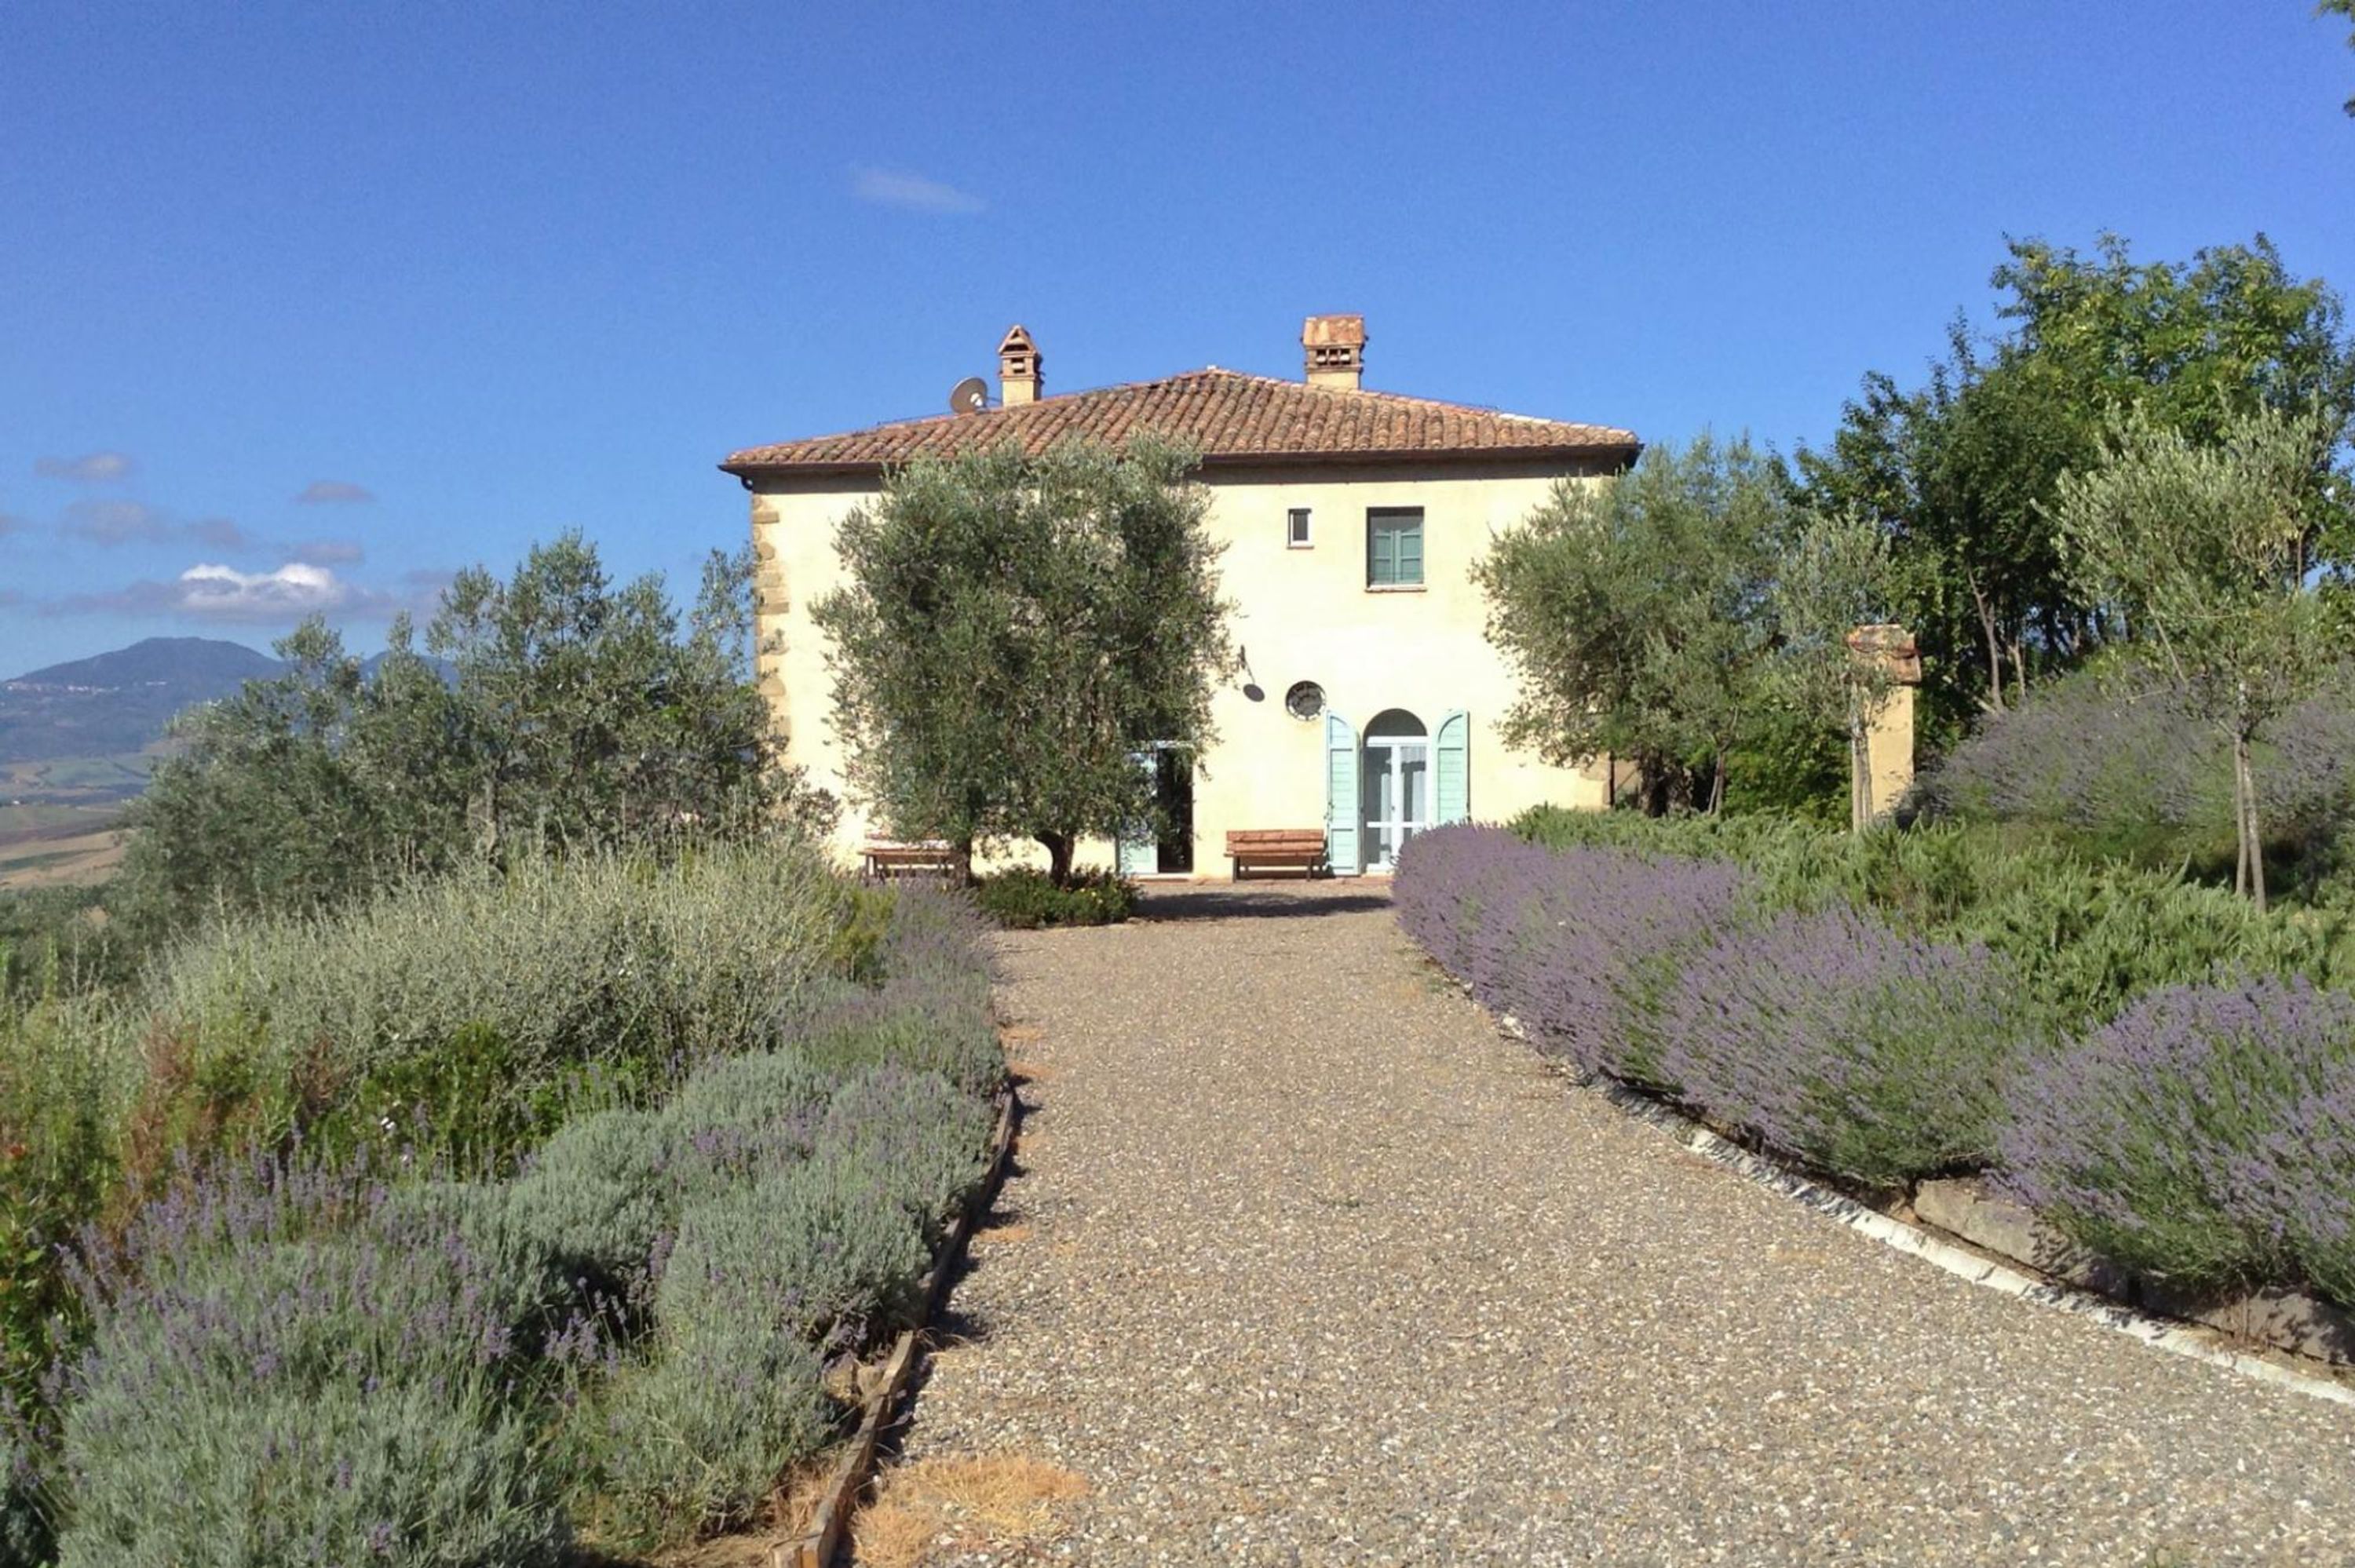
<point>2161,1333</point>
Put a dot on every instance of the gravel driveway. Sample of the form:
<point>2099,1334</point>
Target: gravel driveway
<point>1320,1270</point>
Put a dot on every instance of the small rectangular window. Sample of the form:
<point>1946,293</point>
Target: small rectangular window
<point>1394,546</point>
<point>1295,528</point>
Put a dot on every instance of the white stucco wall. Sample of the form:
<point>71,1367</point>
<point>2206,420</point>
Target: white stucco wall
<point>1302,615</point>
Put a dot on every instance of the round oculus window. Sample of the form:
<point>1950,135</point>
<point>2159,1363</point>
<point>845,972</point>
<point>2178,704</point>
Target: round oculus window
<point>1306,700</point>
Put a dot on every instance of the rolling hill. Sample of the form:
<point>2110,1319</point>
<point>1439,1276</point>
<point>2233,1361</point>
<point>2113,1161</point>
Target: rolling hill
<point>118,703</point>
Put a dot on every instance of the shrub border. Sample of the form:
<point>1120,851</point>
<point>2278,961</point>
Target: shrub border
<point>822,1540</point>
<point>2012,1276</point>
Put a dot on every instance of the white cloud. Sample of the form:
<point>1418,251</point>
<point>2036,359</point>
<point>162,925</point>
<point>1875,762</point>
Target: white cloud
<point>210,591</point>
<point>911,193</point>
<point>290,592</point>
<point>332,492</point>
<point>90,468</point>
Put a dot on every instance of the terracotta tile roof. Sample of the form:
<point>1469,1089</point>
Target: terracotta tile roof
<point>1235,419</point>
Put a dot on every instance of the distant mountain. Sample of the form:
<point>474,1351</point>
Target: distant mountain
<point>117,703</point>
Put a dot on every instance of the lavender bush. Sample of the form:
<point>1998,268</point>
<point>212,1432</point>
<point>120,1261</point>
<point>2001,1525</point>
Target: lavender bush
<point>1577,945</point>
<point>287,1368</point>
<point>819,1252</point>
<point>929,1008</point>
<point>1874,1055</point>
<point>596,1198</point>
<point>2206,1135</point>
<point>2111,755</point>
<point>2082,934</point>
<point>768,1278</point>
<point>694,1437</point>
<point>923,1138</point>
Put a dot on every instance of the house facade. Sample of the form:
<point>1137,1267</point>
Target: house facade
<point>1349,519</point>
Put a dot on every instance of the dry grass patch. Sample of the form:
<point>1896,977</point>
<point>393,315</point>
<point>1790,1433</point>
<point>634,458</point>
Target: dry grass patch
<point>956,1503</point>
<point>1021,1069</point>
<point>1012,1231</point>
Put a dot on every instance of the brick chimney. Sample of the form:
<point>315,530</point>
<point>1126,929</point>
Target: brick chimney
<point>1018,367</point>
<point>1336,346</point>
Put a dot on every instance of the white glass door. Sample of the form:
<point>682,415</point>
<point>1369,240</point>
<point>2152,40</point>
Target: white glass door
<point>1397,796</point>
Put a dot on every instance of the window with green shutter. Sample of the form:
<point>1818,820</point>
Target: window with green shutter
<point>1394,546</point>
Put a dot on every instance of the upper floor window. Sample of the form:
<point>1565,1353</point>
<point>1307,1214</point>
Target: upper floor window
<point>1394,546</point>
<point>1295,528</point>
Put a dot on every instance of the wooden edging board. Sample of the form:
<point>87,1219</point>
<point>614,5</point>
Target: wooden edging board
<point>817,1545</point>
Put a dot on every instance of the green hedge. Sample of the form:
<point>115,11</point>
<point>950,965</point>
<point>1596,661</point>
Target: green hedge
<point>1023,899</point>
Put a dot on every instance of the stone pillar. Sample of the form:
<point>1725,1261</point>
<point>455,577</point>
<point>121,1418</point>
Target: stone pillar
<point>768,604</point>
<point>1880,764</point>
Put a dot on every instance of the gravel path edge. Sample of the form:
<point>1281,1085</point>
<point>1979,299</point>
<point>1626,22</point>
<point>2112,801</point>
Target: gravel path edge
<point>2160,1333</point>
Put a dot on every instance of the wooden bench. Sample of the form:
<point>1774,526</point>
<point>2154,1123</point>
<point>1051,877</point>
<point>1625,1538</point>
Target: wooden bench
<point>1301,847</point>
<point>933,857</point>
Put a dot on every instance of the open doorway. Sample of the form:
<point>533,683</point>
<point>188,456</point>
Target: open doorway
<point>1167,848</point>
<point>1173,791</point>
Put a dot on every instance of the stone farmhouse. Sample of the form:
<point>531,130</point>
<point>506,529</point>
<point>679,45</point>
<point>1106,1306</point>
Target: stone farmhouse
<point>1368,704</point>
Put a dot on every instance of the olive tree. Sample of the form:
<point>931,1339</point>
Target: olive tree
<point>2202,551</point>
<point>1635,613</point>
<point>1014,629</point>
<point>1834,578</point>
<point>553,708</point>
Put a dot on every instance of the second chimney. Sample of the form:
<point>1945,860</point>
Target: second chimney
<point>1018,367</point>
<point>1335,347</point>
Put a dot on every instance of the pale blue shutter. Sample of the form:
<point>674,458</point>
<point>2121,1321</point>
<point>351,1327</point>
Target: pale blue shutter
<point>1341,805</point>
<point>1410,551</point>
<point>1136,854</point>
<point>1451,762</point>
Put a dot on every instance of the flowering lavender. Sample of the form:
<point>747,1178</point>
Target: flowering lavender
<point>2207,1134</point>
<point>768,1277</point>
<point>922,1136</point>
<point>293,1365</point>
<point>1873,1054</point>
<point>1577,945</point>
<point>2113,753</point>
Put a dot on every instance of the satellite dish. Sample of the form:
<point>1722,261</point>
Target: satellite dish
<point>970,395</point>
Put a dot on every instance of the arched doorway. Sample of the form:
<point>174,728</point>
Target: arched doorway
<point>1395,785</point>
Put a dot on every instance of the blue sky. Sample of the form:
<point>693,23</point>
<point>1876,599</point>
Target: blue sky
<point>330,299</point>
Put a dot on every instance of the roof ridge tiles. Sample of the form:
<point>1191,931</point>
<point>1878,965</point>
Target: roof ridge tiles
<point>1234,416</point>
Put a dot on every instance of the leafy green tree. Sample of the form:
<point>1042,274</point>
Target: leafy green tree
<point>1963,471</point>
<point>1013,629</point>
<point>1635,613</point>
<point>555,710</point>
<point>1835,577</point>
<point>2201,550</point>
<point>2345,10</point>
